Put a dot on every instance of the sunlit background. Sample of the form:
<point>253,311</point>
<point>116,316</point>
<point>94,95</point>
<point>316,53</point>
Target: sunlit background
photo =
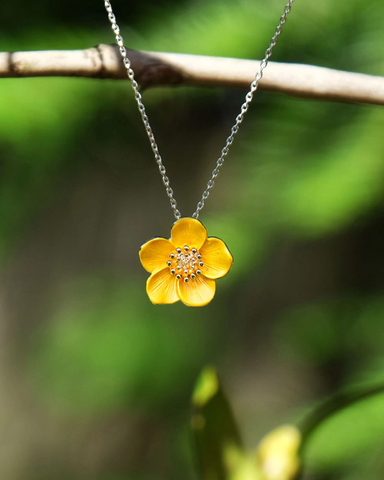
<point>95,381</point>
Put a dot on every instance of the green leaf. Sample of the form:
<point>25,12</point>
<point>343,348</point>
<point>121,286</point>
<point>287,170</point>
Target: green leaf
<point>334,405</point>
<point>218,444</point>
<point>345,427</point>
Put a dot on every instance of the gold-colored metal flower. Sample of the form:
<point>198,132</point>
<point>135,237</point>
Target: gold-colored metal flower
<point>186,266</point>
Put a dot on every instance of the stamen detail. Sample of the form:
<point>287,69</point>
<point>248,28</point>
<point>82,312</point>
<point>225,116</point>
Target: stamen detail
<point>187,260</point>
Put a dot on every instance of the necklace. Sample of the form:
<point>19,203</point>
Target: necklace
<point>186,266</point>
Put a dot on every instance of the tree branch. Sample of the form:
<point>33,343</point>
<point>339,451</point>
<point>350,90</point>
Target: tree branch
<point>154,69</point>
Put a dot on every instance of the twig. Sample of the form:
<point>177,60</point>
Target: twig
<point>154,69</point>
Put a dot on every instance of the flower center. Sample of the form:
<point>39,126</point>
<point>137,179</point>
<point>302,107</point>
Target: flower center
<point>185,263</point>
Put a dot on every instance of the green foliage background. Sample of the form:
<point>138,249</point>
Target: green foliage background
<point>98,378</point>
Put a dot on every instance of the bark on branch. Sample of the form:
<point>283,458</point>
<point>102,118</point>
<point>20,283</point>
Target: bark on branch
<point>154,69</point>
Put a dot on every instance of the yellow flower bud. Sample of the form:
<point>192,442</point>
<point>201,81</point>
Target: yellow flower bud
<point>277,454</point>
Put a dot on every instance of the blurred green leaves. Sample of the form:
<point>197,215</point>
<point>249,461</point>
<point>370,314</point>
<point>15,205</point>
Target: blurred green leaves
<point>316,333</point>
<point>347,332</point>
<point>344,181</point>
<point>219,448</point>
<point>346,426</point>
<point>350,437</point>
<point>309,179</point>
<point>40,109</point>
<point>39,122</point>
<point>218,444</point>
<point>101,352</point>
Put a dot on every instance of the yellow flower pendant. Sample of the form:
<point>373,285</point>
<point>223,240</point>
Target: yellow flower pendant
<point>186,266</point>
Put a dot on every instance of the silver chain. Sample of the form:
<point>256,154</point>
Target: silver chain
<point>240,117</point>
<point>243,110</point>
<point>144,116</point>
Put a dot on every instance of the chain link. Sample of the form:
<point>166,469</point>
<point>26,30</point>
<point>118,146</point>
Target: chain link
<point>143,113</point>
<point>240,117</point>
<point>243,110</point>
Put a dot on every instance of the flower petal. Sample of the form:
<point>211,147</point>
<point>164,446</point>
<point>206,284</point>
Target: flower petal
<point>217,258</point>
<point>197,292</point>
<point>277,453</point>
<point>161,287</point>
<point>155,253</point>
<point>188,231</point>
